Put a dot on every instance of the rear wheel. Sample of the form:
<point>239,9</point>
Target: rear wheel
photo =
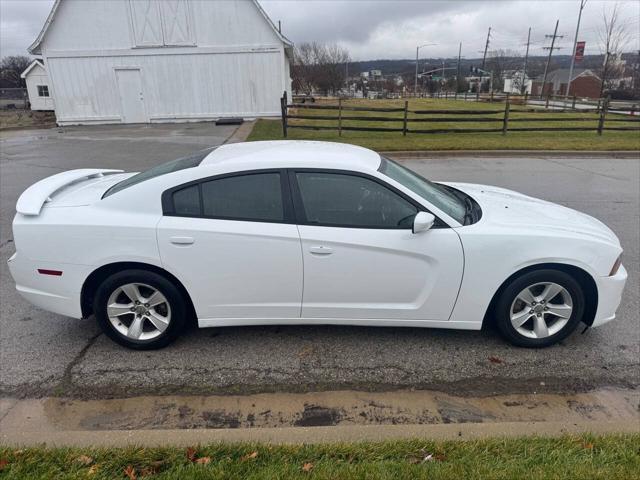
<point>540,308</point>
<point>140,309</point>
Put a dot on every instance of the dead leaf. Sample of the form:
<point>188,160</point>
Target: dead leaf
<point>191,454</point>
<point>249,456</point>
<point>3,463</point>
<point>440,457</point>
<point>93,470</point>
<point>588,446</point>
<point>204,460</point>
<point>307,467</point>
<point>130,472</point>
<point>84,460</point>
<point>495,360</point>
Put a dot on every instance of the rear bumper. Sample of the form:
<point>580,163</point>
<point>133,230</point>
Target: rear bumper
<point>57,294</point>
<point>609,296</point>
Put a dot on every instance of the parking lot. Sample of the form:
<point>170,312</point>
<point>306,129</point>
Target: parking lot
<point>43,354</point>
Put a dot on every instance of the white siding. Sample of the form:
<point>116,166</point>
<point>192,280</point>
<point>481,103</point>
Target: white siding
<point>175,87</point>
<point>38,76</point>
<point>198,59</point>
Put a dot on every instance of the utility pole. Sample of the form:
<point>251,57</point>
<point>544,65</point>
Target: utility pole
<point>458,70</point>
<point>486,47</point>
<point>551,48</point>
<point>573,54</point>
<point>524,67</point>
<point>415,86</point>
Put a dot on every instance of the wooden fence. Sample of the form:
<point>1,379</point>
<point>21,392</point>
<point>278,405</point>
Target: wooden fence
<point>421,118</point>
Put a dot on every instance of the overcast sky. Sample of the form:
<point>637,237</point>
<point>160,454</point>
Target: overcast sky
<point>392,29</point>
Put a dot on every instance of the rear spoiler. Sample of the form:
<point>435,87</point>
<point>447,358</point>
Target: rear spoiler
<point>34,197</point>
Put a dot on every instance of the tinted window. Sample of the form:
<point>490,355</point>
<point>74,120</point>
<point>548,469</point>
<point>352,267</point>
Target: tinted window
<point>172,166</point>
<point>348,200</point>
<point>255,197</point>
<point>187,201</point>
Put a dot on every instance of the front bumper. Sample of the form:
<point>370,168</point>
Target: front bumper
<point>609,296</point>
<point>59,295</point>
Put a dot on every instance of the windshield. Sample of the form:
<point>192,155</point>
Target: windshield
<point>435,194</point>
<point>169,167</point>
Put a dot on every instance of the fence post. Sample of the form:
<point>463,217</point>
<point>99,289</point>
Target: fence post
<point>491,99</point>
<point>573,103</point>
<point>546,105</point>
<point>478,95</point>
<point>283,109</point>
<point>505,120</point>
<point>406,112</point>
<point>603,113</point>
<point>598,107</point>
<point>526,97</point>
<point>465,95</point>
<point>339,117</point>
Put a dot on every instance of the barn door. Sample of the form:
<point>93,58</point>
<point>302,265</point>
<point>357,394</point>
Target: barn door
<point>131,96</point>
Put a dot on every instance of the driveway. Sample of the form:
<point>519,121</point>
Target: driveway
<point>44,354</point>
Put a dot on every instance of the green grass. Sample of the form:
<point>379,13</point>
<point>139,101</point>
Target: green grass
<point>608,457</point>
<point>395,141</point>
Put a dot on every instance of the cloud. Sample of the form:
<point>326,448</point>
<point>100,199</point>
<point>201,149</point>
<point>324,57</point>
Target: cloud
<point>392,28</point>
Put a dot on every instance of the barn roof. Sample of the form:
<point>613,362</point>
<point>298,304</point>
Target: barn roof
<point>30,67</point>
<point>562,74</point>
<point>35,46</point>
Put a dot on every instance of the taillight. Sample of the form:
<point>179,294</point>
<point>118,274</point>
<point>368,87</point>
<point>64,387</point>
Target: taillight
<point>616,266</point>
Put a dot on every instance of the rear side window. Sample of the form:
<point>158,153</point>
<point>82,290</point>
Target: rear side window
<point>169,167</point>
<point>253,197</point>
<point>187,201</point>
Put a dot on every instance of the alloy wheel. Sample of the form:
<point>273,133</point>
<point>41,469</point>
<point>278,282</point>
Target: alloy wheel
<point>139,311</point>
<point>541,310</point>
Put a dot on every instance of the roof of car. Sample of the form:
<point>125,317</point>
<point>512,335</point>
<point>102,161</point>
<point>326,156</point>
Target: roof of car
<point>296,153</point>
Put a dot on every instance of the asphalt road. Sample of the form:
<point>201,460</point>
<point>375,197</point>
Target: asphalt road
<point>44,354</point>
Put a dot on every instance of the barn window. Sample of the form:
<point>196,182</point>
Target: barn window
<point>43,90</point>
<point>161,23</point>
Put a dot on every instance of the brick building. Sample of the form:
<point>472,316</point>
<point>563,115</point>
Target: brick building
<point>584,83</point>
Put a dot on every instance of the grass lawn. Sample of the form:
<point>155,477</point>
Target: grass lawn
<point>395,141</point>
<point>608,457</point>
<point>26,119</point>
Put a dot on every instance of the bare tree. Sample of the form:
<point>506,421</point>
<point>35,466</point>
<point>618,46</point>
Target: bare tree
<point>10,69</point>
<point>614,37</point>
<point>499,62</point>
<point>319,67</point>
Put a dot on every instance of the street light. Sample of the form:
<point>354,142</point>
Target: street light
<point>415,86</point>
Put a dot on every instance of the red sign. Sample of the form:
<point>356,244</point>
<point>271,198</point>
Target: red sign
<point>579,51</point>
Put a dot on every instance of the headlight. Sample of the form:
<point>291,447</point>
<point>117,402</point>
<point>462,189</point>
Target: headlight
<point>616,266</point>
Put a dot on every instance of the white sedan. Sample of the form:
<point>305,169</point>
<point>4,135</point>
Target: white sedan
<point>307,233</point>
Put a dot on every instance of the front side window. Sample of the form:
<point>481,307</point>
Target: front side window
<point>43,90</point>
<point>343,200</point>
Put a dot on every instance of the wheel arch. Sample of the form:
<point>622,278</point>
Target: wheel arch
<point>96,277</point>
<point>583,277</point>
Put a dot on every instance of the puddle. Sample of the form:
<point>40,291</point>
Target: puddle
<point>318,409</point>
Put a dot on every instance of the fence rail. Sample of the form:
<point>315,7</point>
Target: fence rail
<point>503,117</point>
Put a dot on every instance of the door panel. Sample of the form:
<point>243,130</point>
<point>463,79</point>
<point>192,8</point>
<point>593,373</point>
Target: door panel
<point>235,269</point>
<point>380,274</point>
<point>131,96</point>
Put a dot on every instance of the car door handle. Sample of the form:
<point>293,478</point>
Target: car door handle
<point>320,250</point>
<point>182,240</point>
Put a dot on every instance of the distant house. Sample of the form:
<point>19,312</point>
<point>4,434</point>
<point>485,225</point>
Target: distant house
<point>37,80</point>
<point>584,83</point>
<point>144,61</point>
<point>514,81</point>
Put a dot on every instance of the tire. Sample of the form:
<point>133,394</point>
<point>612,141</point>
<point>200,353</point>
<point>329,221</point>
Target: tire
<point>137,326</point>
<point>532,299</point>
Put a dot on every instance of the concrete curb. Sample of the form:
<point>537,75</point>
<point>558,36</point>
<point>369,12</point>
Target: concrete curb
<point>634,154</point>
<point>241,133</point>
<point>300,435</point>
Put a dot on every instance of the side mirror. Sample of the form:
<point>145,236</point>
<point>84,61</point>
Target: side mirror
<point>423,221</point>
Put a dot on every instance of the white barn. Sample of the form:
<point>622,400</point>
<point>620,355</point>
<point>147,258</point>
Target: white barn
<point>37,80</point>
<point>143,61</point>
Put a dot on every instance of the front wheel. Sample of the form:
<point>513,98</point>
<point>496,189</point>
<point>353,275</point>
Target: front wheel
<point>140,309</point>
<point>540,308</point>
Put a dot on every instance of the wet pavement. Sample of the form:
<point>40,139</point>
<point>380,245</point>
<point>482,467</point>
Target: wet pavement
<point>42,354</point>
